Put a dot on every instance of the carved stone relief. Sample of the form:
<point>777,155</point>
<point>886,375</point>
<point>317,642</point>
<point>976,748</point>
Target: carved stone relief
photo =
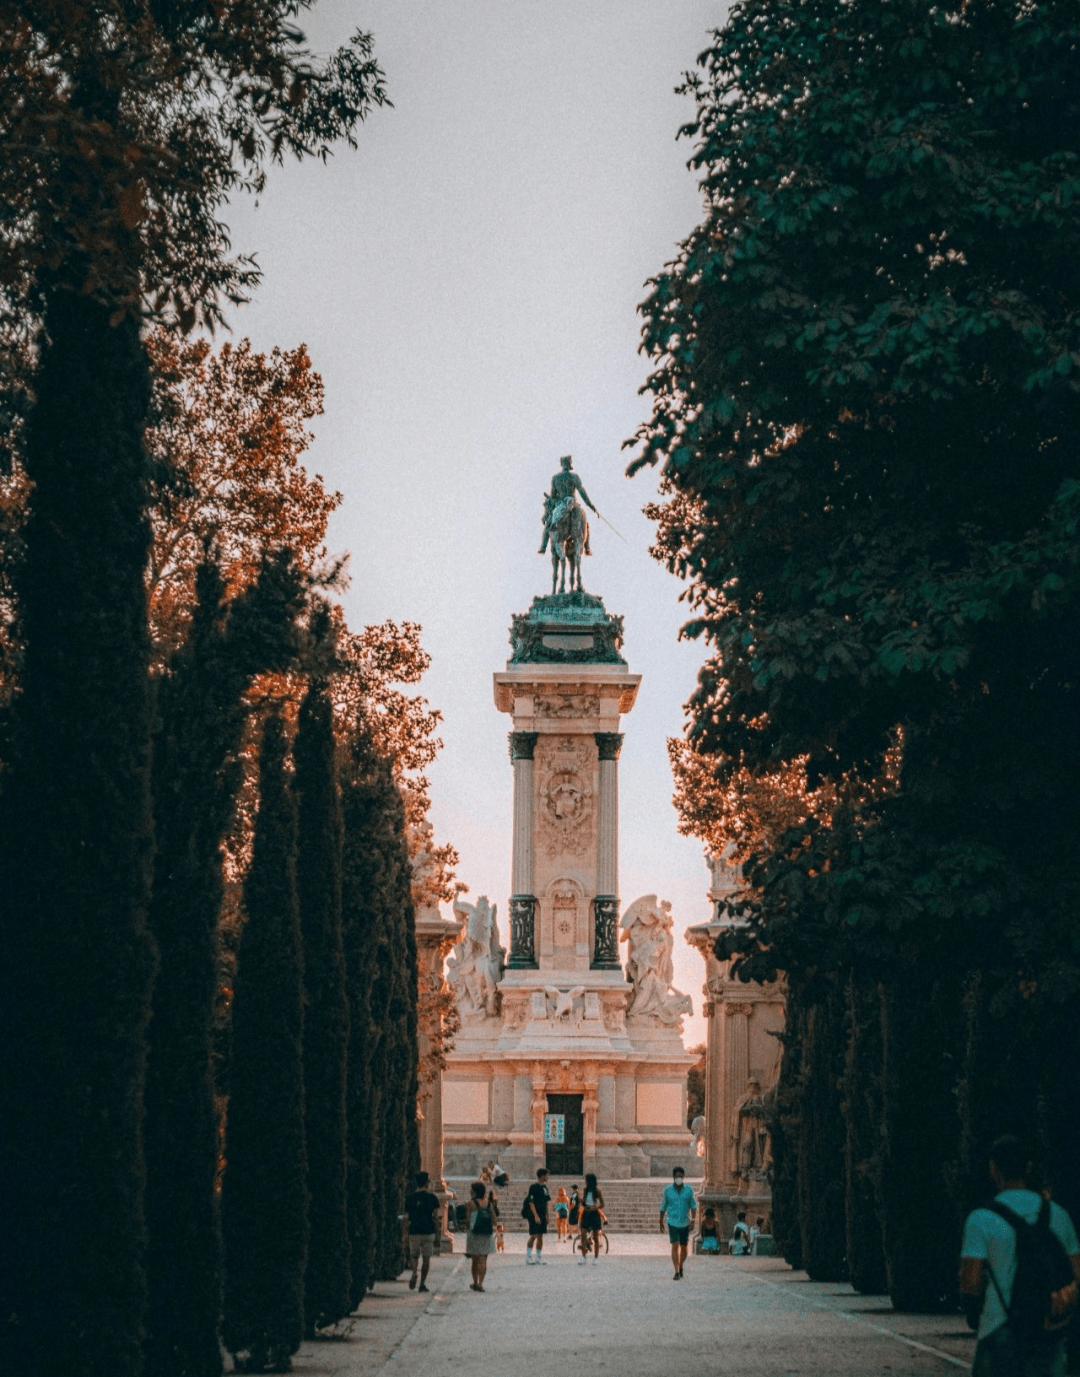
<point>566,812</point>
<point>614,1007</point>
<point>567,705</point>
<point>514,1015</point>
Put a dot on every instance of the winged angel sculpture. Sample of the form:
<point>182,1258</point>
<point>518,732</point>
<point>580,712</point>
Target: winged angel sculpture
<point>646,928</point>
<point>475,963</point>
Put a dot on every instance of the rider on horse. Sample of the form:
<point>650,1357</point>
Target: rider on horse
<point>561,498</point>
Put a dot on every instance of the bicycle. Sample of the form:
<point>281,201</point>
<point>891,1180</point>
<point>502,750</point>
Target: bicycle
<point>602,1238</point>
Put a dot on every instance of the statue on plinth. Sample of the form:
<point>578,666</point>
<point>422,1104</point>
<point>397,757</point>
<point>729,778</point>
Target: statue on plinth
<point>750,1154</point>
<point>697,1141</point>
<point>646,928</point>
<point>475,964</point>
<point>566,527</point>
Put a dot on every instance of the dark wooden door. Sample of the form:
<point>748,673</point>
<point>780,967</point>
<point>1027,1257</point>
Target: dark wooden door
<point>567,1158</point>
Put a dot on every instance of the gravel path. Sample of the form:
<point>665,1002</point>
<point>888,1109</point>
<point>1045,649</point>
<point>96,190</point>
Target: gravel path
<point>624,1317</point>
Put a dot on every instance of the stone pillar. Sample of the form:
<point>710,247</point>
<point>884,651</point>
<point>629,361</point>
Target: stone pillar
<point>715,1120</point>
<point>737,1061</point>
<point>589,1105</point>
<point>606,903</point>
<point>538,1106</point>
<point>434,938</point>
<point>522,898</point>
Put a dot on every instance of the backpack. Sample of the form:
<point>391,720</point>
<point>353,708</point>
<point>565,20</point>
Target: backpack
<point>526,1213</point>
<point>1042,1268</point>
<point>482,1221</point>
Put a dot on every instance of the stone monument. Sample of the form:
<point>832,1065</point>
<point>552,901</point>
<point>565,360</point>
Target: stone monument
<point>742,1063</point>
<point>562,1059</point>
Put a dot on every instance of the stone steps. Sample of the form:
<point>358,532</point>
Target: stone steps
<point>632,1206</point>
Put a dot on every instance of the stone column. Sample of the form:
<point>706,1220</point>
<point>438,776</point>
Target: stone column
<point>522,898</point>
<point>539,1109</point>
<point>738,1069</point>
<point>606,903</point>
<point>434,938</point>
<point>589,1105</point>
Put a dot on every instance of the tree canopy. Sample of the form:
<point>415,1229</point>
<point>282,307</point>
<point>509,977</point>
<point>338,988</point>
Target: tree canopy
<point>126,127</point>
<point>865,395</point>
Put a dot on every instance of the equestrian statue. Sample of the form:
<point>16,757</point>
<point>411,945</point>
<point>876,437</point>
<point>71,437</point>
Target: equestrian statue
<point>565,527</point>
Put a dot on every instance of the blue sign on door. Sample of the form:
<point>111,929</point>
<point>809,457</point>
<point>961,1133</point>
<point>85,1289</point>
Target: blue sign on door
<point>554,1128</point>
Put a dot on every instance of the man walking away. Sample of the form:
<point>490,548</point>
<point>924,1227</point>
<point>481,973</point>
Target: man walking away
<point>1019,1262</point>
<point>422,1206</point>
<point>680,1207</point>
<point>536,1206</point>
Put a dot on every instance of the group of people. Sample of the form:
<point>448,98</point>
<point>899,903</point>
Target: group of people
<point>1019,1252</point>
<point>583,1210</point>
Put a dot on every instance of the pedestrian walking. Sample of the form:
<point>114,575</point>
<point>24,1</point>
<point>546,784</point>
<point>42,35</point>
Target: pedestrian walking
<point>422,1207</point>
<point>575,1207</point>
<point>480,1238</point>
<point>679,1207</point>
<point>1019,1273</point>
<point>592,1219</point>
<point>562,1214</point>
<point>536,1212</point>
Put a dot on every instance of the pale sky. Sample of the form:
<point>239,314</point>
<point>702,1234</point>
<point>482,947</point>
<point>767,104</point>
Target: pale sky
<point>466,283</point>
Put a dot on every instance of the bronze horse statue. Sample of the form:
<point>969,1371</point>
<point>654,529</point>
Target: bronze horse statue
<point>569,536</point>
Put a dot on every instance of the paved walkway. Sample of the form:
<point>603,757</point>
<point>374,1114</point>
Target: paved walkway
<point>625,1317</point>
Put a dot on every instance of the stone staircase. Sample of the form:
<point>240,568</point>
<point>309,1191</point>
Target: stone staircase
<point>631,1206</point>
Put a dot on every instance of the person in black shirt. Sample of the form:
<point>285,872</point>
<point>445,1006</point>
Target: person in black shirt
<point>537,1201</point>
<point>422,1206</point>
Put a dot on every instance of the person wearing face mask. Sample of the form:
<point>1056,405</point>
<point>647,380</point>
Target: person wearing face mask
<point>679,1207</point>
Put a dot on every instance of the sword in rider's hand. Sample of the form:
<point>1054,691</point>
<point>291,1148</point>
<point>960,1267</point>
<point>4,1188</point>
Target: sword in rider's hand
<point>606,522</point>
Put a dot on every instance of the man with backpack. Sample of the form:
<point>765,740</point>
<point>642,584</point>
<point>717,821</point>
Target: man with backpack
<point>1019,1273</point>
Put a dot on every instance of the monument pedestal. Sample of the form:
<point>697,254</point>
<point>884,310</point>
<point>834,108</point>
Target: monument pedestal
<point>571,1064</point>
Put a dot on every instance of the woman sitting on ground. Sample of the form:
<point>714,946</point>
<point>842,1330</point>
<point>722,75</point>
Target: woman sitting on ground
<point>592,1219</point>
<point>709,1233</point>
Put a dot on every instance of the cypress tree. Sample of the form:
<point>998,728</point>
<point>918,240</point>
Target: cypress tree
<point>327,1286</point>
<point>75,863</point>
<point>264,1194</point>
<point>399,1136</point>
<point>363,881</point>
<point>380,949</point>
<point>863,1128</point>
<point>821,1143</point>
<point>201,718</point>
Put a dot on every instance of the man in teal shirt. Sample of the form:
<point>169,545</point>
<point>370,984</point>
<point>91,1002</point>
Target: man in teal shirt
<point>680,1207</point>
<point>988,1261</point>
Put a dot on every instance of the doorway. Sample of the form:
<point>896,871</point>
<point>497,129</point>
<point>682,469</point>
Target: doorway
<point>564,1135</point>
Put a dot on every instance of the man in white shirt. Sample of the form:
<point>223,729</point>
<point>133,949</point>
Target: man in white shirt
<point>988,1269</point>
